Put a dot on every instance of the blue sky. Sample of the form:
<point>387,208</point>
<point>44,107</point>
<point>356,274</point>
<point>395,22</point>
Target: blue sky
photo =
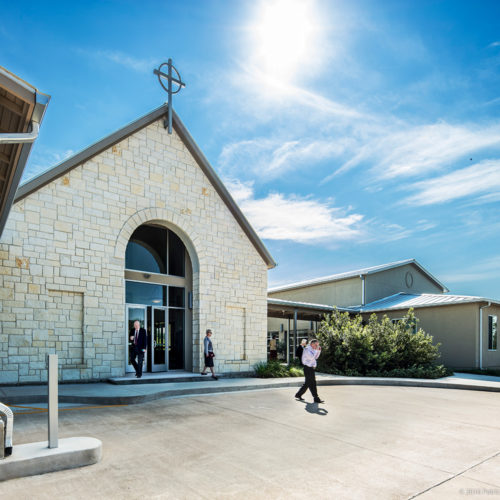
<point>351,133</point>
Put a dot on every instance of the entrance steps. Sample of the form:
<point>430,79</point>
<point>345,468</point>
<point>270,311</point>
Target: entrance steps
<point>175,376</point>
<point>159,378</point>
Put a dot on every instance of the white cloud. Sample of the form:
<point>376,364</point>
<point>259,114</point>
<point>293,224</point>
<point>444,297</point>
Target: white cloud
<point>487,198</point>
<point>419,150</point>
<point>270,158</point>
<point>484,270</point>
<point>301,219</point>
<point>480,178</point>
<point>492,102</point>
<point>45,160</point>
<point>139,65</point>
<point>387,146</point>
<point>267,98</point>
<point>143,65</point>
<point>306,220</point>
<point>240,191</point>
<point>494,44</point>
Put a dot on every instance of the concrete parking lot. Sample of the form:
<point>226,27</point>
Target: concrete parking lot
<point>364,442</point>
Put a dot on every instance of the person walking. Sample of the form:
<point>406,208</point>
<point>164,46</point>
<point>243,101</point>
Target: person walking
<point>273,348</point>
<point>300,350</point>
<point>208,351</point>
<point>138,337</point>
<point>310,355</point>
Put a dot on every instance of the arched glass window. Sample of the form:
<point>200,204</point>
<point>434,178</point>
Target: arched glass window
<point>155,249</point>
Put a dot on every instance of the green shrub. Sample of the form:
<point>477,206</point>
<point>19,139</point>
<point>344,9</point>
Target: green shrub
<point>274,369</point>
<point>295,371</point>
<point>281,348</point>
<point>379,348</point>
<point>295,362</point>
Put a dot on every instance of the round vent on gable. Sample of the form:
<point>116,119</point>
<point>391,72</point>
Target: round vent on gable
<point>409,279</point>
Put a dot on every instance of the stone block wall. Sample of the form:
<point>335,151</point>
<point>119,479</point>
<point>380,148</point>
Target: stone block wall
<point>62,257</point>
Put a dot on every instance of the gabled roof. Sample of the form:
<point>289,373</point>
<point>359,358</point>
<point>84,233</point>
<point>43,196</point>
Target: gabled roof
<point>357,273</point>
<point>416,300</point>
<point>108,141</point>
<point>21,111</point>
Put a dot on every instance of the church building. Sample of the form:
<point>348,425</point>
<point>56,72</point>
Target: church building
<point>136,227</point>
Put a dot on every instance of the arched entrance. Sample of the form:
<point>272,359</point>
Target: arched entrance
<point>159,294</point>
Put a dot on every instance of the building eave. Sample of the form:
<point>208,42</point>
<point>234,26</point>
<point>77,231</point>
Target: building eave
<point>279,308</point>
<point>22,108</point>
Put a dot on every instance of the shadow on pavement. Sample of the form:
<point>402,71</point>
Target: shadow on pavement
<point>314,408</point>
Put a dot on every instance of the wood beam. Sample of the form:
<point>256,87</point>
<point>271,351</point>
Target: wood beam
<point>5,158</point>
<point>11,106</point>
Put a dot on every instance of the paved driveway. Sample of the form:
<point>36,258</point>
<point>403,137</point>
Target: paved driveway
<point>365,442</point>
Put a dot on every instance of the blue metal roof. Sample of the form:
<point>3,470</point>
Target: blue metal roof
<point>407,300</point>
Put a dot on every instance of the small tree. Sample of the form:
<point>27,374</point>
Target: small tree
<point>380,347</point>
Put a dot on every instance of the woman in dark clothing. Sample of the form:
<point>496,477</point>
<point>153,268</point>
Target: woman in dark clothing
<point>208,351</point>
<point>300,350</point>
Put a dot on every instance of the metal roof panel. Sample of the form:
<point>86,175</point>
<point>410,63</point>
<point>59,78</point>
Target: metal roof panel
<point>355,274</point>
<point>408,300</point>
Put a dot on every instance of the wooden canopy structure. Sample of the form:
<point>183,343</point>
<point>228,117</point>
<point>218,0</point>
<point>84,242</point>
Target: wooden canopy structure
<point>21,111</point>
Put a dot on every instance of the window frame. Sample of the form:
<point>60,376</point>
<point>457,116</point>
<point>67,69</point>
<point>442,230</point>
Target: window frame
<point>169,232</point>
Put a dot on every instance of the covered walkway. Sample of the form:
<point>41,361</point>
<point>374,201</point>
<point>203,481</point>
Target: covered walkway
<point>293,312</point>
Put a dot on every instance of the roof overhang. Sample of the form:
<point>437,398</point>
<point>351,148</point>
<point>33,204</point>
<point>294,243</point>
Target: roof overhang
<point>286,309</point>
<point>22,109</point>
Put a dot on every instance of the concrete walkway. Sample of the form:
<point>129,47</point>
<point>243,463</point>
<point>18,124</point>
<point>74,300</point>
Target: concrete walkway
<point>106,393</point>
<point>366,443</point>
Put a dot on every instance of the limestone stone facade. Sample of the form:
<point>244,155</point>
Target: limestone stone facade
<point>62,256</point>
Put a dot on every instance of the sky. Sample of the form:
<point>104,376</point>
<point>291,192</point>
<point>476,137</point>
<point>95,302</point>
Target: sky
<point>351,133</point>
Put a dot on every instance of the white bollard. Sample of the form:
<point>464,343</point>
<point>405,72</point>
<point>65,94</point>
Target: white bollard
<point>53,401</point>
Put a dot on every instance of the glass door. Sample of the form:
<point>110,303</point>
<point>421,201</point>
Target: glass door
<point>134,313</point>
<point>159,360</point>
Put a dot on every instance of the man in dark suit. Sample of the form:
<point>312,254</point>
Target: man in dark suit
<point>300,350</point>
<point>138,347</point>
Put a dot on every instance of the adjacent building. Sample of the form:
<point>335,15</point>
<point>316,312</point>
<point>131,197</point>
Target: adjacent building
<point>465,326</point>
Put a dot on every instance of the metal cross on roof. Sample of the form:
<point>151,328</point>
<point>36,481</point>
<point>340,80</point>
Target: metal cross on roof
<point>170,79</point>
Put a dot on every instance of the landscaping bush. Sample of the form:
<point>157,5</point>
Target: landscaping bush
<point>379,348</point>
<point>274,369</point>
<point>295,371</point>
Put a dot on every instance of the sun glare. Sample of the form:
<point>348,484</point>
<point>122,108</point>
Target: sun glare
<point>285,37</point>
